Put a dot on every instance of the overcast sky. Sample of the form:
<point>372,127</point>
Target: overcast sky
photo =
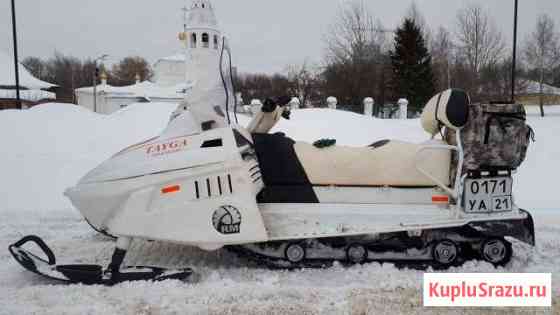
<point>265,35</point>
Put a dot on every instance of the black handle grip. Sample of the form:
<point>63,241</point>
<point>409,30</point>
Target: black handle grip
<point>39,242</point>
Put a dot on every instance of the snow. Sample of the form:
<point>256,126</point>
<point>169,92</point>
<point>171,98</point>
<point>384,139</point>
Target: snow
<point>28,95</point>
<point>534,87</point>
<point>537,181</point>
<point>180,57</point>
<point>56,144</point>
<point>49,147</point>
<point>7,75</point>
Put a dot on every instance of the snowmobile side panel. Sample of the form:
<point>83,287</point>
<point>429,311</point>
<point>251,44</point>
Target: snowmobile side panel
<point>85,274</point>
<point>297,221</point>
<point>376,195</point>
<point>208,211</point>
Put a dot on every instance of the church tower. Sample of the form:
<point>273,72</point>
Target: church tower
<point>202,38</point>
<point>201,26</point>
<point>202,43</point>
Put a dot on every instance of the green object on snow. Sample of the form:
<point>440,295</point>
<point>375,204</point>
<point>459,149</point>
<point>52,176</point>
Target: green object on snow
<point>324,143</point>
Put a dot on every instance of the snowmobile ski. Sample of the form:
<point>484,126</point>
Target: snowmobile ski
<point>88,274</point>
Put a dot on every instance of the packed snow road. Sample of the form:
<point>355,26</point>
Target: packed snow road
<point>57,144</point>
<point>227,284</point>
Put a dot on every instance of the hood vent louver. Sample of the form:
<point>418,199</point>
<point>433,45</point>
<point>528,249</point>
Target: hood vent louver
<point>214,186</point>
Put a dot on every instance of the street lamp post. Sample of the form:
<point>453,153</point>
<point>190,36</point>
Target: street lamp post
<point>514,61</point>
<point>103,57</point>
<point>16,62</point>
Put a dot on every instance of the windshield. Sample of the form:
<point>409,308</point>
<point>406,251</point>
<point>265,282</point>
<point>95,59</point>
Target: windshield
<point>212,98</point>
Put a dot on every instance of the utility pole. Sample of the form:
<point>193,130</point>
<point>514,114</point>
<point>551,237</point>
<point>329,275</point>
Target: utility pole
<point>16,62</point>
<point>95,74</point>
<point>95,71</point>
<point>514,60</point>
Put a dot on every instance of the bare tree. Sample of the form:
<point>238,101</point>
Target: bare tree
<point>496,80</point>
<point>303,81</point>
<point>354,60</point>
<point>480,42</point>
<point>442,47</point>
<point>353,33</point>
<point>36,66</point>
<point>126,71</point>
<point>261,86</point>
<point>542,51</point>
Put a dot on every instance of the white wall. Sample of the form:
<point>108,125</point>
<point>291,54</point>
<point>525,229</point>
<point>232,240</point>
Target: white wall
<point>85,100</point>
<point>168,73</point>
<point>104,105</point>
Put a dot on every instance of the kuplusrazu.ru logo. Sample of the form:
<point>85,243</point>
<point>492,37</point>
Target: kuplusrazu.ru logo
<point>489,289</point>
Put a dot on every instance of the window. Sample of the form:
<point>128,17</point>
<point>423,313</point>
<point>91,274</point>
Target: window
<point>215,41</point>
<point>205,40</point>
<point>193,40</point>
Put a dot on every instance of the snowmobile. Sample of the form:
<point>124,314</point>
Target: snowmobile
<point>209,182</point>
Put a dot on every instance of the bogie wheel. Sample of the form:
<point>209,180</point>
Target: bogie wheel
<point>356,253</point>
<point>295,253</point>
<point>496,251</point>
<point>445,252</point>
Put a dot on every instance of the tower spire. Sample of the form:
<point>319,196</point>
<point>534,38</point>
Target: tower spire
<point>185,10</point>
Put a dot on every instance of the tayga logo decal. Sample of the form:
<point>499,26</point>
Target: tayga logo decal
<point>170,146</point>
<point>227,220</point>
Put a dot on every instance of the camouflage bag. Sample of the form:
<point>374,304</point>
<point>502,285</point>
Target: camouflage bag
<point>496,137</point>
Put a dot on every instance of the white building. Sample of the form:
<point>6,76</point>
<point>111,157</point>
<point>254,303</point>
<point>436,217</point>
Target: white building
<point>174,75</point>
<point>113,98</point>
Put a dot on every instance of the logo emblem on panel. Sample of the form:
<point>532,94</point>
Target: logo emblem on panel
<point>227,220</point>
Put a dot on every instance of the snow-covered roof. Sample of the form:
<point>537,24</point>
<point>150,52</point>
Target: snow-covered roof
<point>8,78</point>
<point>533,87</point>
<point>27,95</point>
<point>145,89</point>
<point>180,57</point>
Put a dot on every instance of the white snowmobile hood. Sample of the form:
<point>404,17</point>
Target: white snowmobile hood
<point>166,153</point>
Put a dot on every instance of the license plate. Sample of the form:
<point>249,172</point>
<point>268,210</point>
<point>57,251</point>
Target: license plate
<point>491,194</point>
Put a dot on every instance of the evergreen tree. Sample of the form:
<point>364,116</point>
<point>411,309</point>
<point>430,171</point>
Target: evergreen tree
<point>413,78</point>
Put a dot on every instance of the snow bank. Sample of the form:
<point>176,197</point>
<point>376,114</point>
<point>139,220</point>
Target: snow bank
<point>27,95</point>
<point>348,128</point>
<point>48,148</point>
<point>536,185</point>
